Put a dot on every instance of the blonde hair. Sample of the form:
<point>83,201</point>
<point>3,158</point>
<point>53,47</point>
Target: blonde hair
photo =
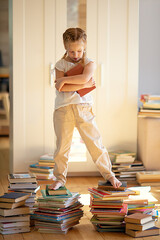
<point>73,35</point>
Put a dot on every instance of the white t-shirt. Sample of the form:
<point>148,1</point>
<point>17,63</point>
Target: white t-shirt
<point>66,98</point>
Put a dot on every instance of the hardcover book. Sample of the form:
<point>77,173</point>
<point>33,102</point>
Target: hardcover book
<point>138,218</point>
<point>21,177</point>
<point>14,197</point>
<point>140,227</point>
<point>11,205</point>
<point>16,211</point>
<point>77,70</point>
<point>154,231</point>
<point>106,185</point>
<point>61,191</point>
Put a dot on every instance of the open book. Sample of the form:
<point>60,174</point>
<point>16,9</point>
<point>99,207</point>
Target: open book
<point>77,70</point>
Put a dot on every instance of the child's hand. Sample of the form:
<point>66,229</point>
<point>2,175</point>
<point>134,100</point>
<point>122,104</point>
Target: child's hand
<point>59,84</point>
<point>115,182</point>
<point>90,83</point>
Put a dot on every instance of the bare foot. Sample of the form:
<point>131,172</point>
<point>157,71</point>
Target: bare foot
<point>115,182</point>
<point>55,185</point>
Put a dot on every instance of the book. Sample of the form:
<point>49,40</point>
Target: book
<point>21,177</point>
<point>122,153</point>
<point>20,218</point>
<point>16,211</point>
<point>36,166</point>
<point>106,185</point>
<point>147,97</point>
<point>14,197</point>
<point>105,194</point>
<point>149,175</point>
<point>140,227</point>
<point>61,191</point>
<point>154,231</point>
<point>77,70</point>
<point>11,205</point>
<point>15,230</point>
<point>138,218</point>
<point>47,156</point>
<point>14,224</point>
<point>122,211</point>
<point>23,185</point>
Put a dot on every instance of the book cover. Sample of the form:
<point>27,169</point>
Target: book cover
<point>122,152</point>
<point>21,177</point>
<point>15,230</point>
<point>149,175</point>
<point>16,211</point>
<point>23,218</point>
<point>140,227</point>
<point>122,211</point>
<point>104,194</point>
<point>11,205</point>
<point>106,185</point>
<point>47,156</point>
<point>61,191</point>
<point>138,218</point>
<point>154,231</point>
<point>36,166</point>
<point>23,185</point>
<point>14,224</point>
<point>14,197</point>
<point>77,70</point>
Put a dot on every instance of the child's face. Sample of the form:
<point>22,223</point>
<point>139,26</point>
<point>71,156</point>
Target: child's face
<point>75,50</point>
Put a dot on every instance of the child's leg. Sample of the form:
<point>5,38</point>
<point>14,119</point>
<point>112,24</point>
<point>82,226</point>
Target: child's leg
<point>91,136</point>
<point>64,125</point>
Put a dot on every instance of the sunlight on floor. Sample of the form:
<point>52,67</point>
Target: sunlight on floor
<point>85,199</point>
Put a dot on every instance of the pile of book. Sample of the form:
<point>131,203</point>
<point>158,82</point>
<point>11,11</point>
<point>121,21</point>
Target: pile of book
<point>14,215</point>
<point>150,105</point>
<point>148,178</point>
<point>108,207</point>
<point>141,225</point>
<point>143,202</point>
<point>124,165</point>
<point>57,210</point>
<point>26,183</point>
<point>43,170</point>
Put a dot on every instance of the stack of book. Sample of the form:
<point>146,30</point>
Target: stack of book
<point>148,178</point>
<point>150,105</point>
<point>14,215</point>
<point>124,165</point>
<point>127,171</point>
<point>43,170</point>
<point>108,207</point>
<point>57,210</point>
<point>141,206</point>
<point>141,225</point>
<point>122,156</point>
<point>26,183</point>
<point>143,202</point>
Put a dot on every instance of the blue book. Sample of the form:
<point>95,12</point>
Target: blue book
<point>36,165</point>
<point>14,197</point>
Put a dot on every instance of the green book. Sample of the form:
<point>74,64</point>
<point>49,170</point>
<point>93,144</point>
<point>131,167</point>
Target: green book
<point>59,192</point>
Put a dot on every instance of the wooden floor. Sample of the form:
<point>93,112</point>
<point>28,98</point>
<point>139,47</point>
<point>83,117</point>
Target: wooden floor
<point>83,231</point>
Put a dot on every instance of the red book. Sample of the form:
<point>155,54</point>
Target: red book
<point>77,70</point>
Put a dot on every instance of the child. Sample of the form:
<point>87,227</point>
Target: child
<point>71,110</point>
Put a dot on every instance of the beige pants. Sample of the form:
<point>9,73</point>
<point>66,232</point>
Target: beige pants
<point>82,117</point>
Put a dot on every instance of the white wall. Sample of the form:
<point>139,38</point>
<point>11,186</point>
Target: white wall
<point>149,47</point>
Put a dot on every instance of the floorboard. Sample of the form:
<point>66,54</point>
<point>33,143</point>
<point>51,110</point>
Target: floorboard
<point>83,231</point>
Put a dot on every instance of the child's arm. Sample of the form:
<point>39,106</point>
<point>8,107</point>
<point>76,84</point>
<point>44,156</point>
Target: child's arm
<point>74,87</point>
<point>80,80</point>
